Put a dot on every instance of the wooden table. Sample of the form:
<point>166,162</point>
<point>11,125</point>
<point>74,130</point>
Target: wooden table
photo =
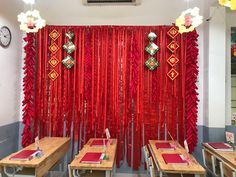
<point>106,165</point>
<point>226,160</point>
<point>193,167</point>
<point>54,148</point>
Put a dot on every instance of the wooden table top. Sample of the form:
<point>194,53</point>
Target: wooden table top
<point>49,145</point>
<point>104,165</point>
<point>226,156</point>
<point>193,166</point>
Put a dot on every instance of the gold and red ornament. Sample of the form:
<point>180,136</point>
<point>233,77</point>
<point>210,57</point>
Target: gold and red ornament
<point>151,63</point>
<point>189,20</point>
<point>53,75</point>
<point>54,35</point>
<point>172,74</point>
<point>173,46</point>
<point>228,3</point>
<point>53,61</point>
<point>173,32</point>
<point>53,48</point>
<point>68,62</point>
<point>172,60</point>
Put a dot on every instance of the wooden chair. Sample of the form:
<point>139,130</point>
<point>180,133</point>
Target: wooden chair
<point>226,170</point>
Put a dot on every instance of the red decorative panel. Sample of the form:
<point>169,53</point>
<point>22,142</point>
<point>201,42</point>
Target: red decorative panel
<point>172,74</point>
<point>173,32</point>
<point>173,46</point>
<point>172,60</point>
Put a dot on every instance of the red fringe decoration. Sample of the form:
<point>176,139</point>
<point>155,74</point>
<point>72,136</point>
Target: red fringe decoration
<point>191,95</point>
<point>28,80</point>
<point>110,87</point>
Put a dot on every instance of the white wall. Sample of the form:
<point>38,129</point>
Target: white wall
<point>10,64</point>
<point>152,12</point>
<point>217,68</point>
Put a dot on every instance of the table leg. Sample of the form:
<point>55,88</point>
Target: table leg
<point>114,169</point>
<point>69,171</point>
<point>108,173</point>
<point>160,174</point>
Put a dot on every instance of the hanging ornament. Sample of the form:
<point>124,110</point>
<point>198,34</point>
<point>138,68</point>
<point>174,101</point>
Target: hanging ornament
<point>53,75</point>
<point>53,48</point>
<point>70,35</point>
<point>151,63</point>
<point>173,32</point>
<point>54,35</point>
<point>188,20</point>
<point>152,36</point>
<point>172,74</point>
<point>53,61</point>
<point>68,62</point>
<point>152,48</point>
<point>172,60</point>
<point>228,3</point>
<point>69,47</point>
<point>173,46</point>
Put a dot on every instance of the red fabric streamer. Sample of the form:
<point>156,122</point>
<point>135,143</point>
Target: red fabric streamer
<point>191,95</point>
<point>110,87</point>
<point>28,89</point>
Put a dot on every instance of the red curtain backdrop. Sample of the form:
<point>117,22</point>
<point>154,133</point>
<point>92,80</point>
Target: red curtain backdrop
<point>110,86</point>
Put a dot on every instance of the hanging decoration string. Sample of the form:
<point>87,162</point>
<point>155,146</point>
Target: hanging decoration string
<point>28,89</point>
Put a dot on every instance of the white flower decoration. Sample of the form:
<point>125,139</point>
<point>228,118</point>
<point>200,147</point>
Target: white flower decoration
<point>31,21</point>
<point>189,20</point>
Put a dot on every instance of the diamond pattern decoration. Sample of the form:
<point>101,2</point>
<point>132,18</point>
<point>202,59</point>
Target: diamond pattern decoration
<point>172,74</point>
<point>172,60</point>
<point>151,63</point>
<point>68,62</point>
<point>53,48</point>
<point>53,61</point>
<point>173,46</point>
<point>53,75</point>
<point>152,36</point>
<point>69,47</point>
<point>173,32</point>
<point>54,34</point>
<point>152,48</point>
<point>70,35</point>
